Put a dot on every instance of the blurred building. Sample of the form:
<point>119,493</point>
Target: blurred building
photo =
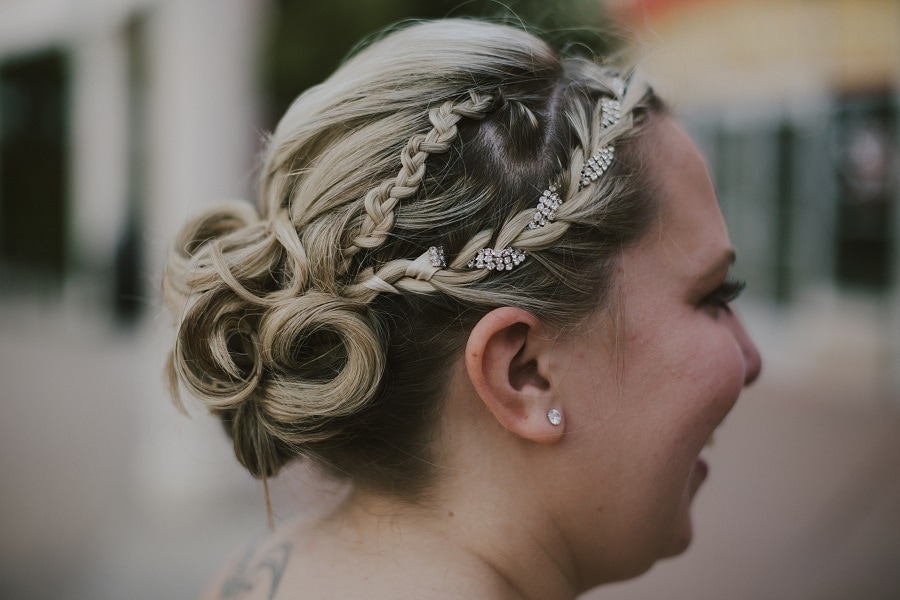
<point>795,103</point>
<point>117,119</point>
<point>120,118</point>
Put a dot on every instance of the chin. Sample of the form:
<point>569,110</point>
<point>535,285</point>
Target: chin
<point>678,545</point>
<point>681,538</point>
<point>667,543</point>
<point>683,531</point>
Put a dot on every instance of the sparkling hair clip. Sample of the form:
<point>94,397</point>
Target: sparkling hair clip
<point>596,165</point>
<point>436,257</point>
<point>500,259</point>
<point>505,259</point>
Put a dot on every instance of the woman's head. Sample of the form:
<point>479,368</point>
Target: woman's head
<point>320,326</point>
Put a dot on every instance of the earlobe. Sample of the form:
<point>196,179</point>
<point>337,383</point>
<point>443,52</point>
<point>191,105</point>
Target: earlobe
<point>507,359</point>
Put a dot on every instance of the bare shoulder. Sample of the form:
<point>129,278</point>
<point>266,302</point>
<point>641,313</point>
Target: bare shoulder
<point>257,572</point>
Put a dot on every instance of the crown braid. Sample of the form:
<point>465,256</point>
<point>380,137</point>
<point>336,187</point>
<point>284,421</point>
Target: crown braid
<point>422,275</point>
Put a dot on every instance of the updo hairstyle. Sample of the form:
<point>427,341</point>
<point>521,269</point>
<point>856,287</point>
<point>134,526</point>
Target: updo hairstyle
<point>317,327</point>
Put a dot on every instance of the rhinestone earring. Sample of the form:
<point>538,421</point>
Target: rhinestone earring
<point>554,416</point>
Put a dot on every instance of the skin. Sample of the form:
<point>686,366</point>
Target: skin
<point>525,509</point>
<point>682,358</point>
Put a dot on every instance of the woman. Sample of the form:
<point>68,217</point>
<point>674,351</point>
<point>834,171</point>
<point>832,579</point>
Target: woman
<point>489,286</point>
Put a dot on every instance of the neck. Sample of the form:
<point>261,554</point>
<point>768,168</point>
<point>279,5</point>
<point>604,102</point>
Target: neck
<point>506,525</point>
<point>488,539</point>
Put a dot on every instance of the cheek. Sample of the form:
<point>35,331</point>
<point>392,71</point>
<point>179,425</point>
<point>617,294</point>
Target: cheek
<point>715,375</point>
<point>698,402</point>
<point>686,381</point>
<point>721,364</point>
<point>713,379</point>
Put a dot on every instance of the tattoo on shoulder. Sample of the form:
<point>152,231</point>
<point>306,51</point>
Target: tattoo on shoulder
<point>258,572</point>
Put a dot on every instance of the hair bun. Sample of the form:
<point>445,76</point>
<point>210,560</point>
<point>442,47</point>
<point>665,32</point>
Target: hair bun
<point>324,359</point>
<point>281,367</point>
<point>217,352</point>
<point>281,379</point>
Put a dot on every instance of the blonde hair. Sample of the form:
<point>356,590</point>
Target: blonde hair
<point>317,327</point>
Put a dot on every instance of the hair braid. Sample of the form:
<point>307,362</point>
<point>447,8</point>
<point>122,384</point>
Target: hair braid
<point>380,201</point>
<point>420,276</point>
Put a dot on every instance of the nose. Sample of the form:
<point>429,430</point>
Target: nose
<point>752,358</point>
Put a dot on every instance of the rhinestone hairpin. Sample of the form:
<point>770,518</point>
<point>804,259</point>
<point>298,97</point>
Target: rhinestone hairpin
<point>596,165</point>
<point>436,256</point>
<point>610,112</point>
<point>500,259</point>
<point>600,161</point>
<point>546,208</point>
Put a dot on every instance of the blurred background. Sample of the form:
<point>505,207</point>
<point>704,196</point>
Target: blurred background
<point>120,118</point>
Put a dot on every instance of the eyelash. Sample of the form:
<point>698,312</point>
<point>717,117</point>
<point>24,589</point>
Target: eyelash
<point>727,292</point>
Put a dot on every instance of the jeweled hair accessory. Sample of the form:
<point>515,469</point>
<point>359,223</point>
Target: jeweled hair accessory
<point>596,165</point>
<point>500,259</point>
<point>546,208</point>
<point>599,162</point>
<point>505,259</point>
<point>436,256</point>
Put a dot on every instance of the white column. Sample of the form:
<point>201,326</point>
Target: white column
<point>100,148</point>
<point>203,108</point>
<point>203,144</point>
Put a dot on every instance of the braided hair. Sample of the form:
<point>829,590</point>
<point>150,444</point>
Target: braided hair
<point>316,326</point>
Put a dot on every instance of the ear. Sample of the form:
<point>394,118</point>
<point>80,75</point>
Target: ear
<point>507,359</point>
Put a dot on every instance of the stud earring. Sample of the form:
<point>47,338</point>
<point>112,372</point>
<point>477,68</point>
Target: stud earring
<point>554,416</point>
